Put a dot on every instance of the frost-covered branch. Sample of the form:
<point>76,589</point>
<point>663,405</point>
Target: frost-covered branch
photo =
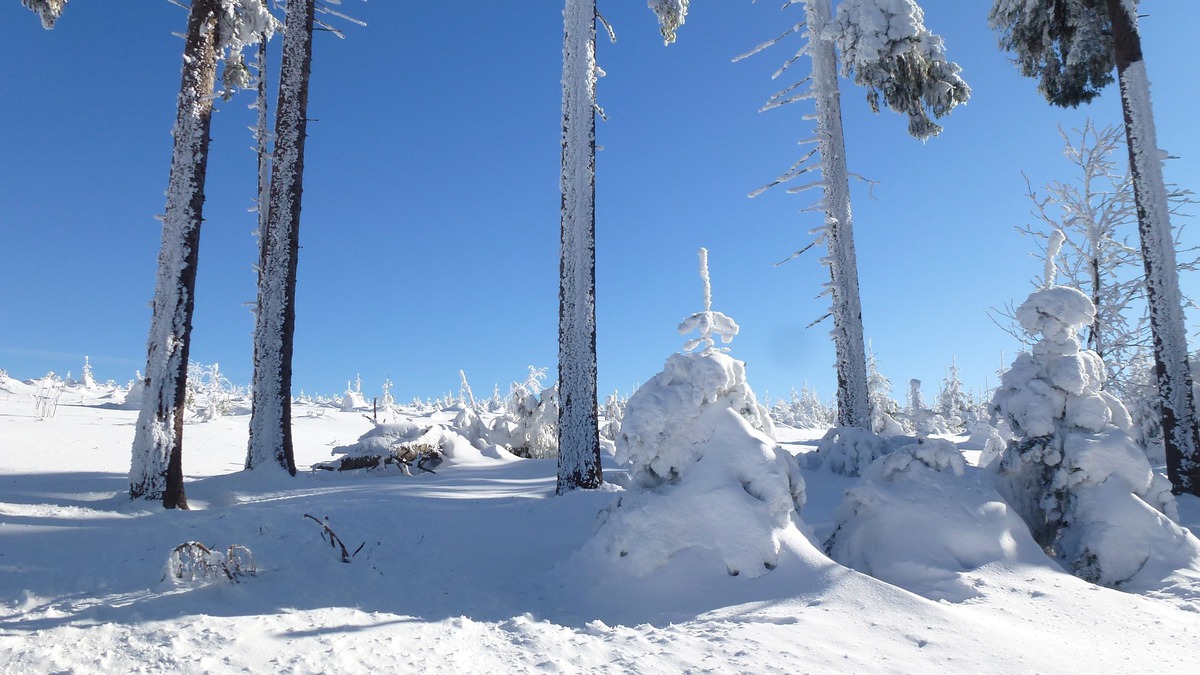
<point>48,10</point>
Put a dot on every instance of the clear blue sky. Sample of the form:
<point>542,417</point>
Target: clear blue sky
<point>430,218</point>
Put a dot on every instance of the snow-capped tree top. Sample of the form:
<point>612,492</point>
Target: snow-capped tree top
<point>708,322</point>
<point>50,10</point>
<point>241,23</point>
<point>1066,45</point>
<point>1056,313</point>
<point>671,15</point>
<point>885,45</point>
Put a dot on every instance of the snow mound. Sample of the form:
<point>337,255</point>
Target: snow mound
<point>400,439</point>
<point>848,451</point>
<point>918,522</point>
<point>707,479</point>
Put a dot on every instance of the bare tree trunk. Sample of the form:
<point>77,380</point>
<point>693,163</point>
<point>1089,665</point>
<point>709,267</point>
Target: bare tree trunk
<point>1180,433</point>
<point>157,467</point>
<point>854,407</point>
<point>578,429</point>
<point>275,321</point>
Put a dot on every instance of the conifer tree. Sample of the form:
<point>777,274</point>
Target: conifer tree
<point>275,316</point>
<point>1072,46</point>
<point>214,27</point>
<point>48,10</point>
<point>578,420</point>
<point>884,44</point>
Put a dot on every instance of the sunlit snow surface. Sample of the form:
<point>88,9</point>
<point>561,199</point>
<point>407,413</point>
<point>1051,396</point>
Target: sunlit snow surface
<point>461,571</point>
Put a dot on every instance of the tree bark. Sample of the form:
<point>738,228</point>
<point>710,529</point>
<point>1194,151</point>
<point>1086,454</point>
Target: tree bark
<point>578,435</point>
<point>1180,433</point>
<point>157,467</point>
<point>275,320</point>
<point>854,407</point>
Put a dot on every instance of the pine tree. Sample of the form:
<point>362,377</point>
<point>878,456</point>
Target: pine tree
<point>903,65</point>
<point>275,319</point>
<point>579,436</point>
<point>157,471</point>
<point>214,28</point>
<point>1072,46</point>
<point>48,10</point>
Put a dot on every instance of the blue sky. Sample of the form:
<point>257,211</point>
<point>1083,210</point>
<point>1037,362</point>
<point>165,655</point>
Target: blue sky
<point>430,218</point>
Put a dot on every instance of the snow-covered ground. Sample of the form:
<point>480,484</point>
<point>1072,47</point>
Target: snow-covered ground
<point>476,569</point>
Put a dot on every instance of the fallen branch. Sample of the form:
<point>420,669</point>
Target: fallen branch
<point>334,540</point>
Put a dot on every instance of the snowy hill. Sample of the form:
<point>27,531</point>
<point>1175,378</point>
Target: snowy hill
<point>478,568</point>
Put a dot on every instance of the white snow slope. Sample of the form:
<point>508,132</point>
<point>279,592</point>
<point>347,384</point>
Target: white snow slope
<point>469,570</point>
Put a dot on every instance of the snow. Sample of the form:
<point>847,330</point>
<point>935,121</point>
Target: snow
<point>473,569</point>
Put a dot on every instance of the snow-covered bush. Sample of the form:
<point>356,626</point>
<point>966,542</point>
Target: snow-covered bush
<point>353,399</point>
<point>916,521</point>
<point>612,413</point>
<point>848,450</point>
<point>1073,472</point>
<point>528,425</point>
<point>45,398</point>
<point>706,475</point>
<point>886,415</point>
<point>923,420</point>
<point>803,410</point>
<point>209,393</point>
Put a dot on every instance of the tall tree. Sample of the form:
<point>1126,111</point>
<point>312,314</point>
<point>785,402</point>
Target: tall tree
<point>157,469</point>
<point>1072,47</point>
<point>578,429</point>
<point>214,28</point>
<point>578,424</point>
<point>275,318</point>
<point>884,44</point>
<point>49,10</point>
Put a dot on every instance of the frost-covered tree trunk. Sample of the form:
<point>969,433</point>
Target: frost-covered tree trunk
<point>48,10</point>
<point>578,435</point>
<point>1180,433</point>
<point>275,318</point>
<point>157,469</point>
<point>854,407</point>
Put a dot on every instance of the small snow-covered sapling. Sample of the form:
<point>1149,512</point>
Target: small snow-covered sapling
<point>708,322</point>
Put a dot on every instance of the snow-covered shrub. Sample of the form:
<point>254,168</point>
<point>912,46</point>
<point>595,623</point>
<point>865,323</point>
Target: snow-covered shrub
<point>886,415</point>
<point>706,476</point>
<point>209,393</point>
<point>1073,472</point>
<point>400,444</point>
<point>193,562</point>
<point>612,413</point>
<point>848,450</point>
<point>924,422</point>
<point>803,410</point>
<point>45,397</point>
<point>529,423</point>
<point>916,521</point>
<point>353,399</point>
